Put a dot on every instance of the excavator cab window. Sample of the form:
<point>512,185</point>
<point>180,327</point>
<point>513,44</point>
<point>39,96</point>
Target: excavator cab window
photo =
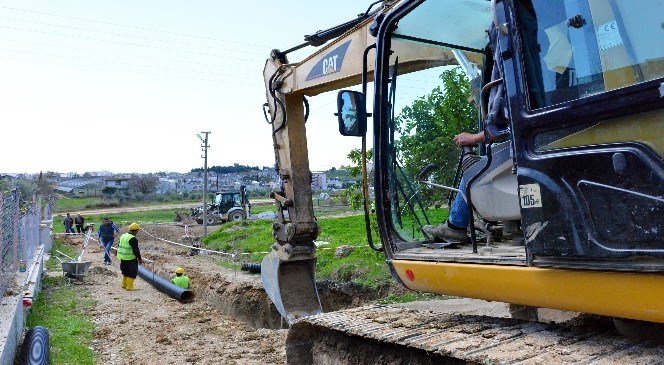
<point>426,63</point>
<point>575,49</point>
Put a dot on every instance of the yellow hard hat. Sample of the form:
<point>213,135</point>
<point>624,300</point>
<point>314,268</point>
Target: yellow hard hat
<point>179,270</point>
<point>134,227</point>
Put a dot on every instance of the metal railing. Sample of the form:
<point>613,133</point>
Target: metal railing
<point>20,234</point>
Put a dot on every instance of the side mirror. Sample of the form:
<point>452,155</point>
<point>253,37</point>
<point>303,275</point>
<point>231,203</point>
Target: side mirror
<point>351,113</point>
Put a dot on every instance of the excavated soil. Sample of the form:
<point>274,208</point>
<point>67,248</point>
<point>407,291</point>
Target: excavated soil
<point>230,321</point>
<point>223,325</point>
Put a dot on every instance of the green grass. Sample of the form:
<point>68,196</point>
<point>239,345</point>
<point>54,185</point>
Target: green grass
<point>73,205</point>
<point>64,310</point>
<point>252,239</point>
<point>121,219</point>
<point>256,209</point>
<point>53,264</point>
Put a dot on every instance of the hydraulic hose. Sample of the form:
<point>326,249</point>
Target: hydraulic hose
<point>165,286</point>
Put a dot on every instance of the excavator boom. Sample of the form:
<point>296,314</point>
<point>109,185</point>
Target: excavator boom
<point>289,270</point>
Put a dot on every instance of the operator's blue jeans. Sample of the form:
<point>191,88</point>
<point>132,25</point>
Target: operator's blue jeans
<point>69,229</point>
<point>107,248</point>
<point>459,209</point>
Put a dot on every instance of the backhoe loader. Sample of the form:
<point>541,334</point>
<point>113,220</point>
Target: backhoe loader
<point>227,206</point>
<point>573,179</point>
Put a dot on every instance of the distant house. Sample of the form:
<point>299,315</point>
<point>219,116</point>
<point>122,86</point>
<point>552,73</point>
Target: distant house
<point>117,182</point>
<point>80,187</point>
<point>335,184</point>
<point>319,181</point>
<point>166,186</point>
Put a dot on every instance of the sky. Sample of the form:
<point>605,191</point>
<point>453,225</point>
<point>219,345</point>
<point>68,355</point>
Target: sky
<point>125,85</point>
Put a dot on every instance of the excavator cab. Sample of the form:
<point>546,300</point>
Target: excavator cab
<point>580,171</point>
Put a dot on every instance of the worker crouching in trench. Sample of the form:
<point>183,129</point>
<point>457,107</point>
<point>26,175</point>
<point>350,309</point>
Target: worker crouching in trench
<point>129,256</point>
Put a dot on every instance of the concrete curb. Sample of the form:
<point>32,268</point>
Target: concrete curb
<point>13,313</point>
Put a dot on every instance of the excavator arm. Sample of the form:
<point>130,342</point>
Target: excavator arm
<point>288,272</point>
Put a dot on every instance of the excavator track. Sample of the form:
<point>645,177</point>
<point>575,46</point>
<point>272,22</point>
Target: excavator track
<point>380,334</point>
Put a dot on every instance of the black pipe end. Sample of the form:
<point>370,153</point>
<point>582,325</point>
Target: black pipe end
<point>187,296</point>
<point>251,267</point>
<point>36,348</point>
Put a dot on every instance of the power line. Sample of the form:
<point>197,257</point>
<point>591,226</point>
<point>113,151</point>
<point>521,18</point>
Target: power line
<point>124,43</point>
<point>125,35</point>
<point>126,54</point>
<point>132,26</point>
<point>128,64</point>
<point>271,26</point>
<point>130,71</point>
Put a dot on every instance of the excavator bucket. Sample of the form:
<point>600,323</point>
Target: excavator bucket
<point>184,218</point>
<point>291,285</point>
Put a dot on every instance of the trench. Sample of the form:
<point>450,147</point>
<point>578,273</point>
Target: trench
<point>242,297</point>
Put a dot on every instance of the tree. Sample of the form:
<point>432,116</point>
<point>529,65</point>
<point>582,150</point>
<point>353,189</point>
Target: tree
<point>44,187</point>
<point>108,191</point>
<point>353,193</point>
<point>145,184</point>
<point>428,126</point>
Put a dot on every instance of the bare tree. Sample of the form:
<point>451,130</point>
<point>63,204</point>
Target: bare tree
<point>145,184</point>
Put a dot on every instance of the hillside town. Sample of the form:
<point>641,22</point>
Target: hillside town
<point>258,181</point>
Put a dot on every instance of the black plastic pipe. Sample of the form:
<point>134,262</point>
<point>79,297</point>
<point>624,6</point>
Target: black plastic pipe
<point>36,349</point>
<point>165,286</point>
<point>252,267</point>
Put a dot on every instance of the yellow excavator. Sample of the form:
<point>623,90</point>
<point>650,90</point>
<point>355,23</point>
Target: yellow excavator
<point>569,171</point>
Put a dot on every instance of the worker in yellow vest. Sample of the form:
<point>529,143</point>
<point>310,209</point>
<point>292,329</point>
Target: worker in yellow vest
<point>181,279</point>
<point>129,256</point>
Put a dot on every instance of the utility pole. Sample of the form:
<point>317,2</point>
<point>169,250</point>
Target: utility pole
<point>204,147</point>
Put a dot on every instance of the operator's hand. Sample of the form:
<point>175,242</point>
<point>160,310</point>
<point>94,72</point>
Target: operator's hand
<point>140,260</point>
<point>468,139</point>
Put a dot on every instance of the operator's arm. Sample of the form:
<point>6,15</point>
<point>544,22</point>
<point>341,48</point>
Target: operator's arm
<point>471,139</point>
<point>133,242</point>
<point>468,139</point>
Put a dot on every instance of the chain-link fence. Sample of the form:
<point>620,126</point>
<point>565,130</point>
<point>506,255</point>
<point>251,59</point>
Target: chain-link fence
<point>20,234</point>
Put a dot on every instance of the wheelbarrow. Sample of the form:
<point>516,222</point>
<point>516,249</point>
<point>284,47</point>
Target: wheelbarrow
<point>74,269</point>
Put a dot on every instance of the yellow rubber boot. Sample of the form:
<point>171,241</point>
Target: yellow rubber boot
<point>124,282</point>
<point>130,284</point>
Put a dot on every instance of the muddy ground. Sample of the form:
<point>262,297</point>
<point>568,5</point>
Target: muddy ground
<point>230,321</point>
<point>149,327</point>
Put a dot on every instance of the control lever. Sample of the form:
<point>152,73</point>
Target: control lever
<point>424,174</point>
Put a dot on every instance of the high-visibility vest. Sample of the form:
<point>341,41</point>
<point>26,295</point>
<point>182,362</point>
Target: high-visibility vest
<point>181,281</point>
<point>125,252</point>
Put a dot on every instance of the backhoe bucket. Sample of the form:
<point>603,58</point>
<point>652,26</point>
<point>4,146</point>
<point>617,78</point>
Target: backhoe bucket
<point>184,218</point>
<point>291,285</point>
